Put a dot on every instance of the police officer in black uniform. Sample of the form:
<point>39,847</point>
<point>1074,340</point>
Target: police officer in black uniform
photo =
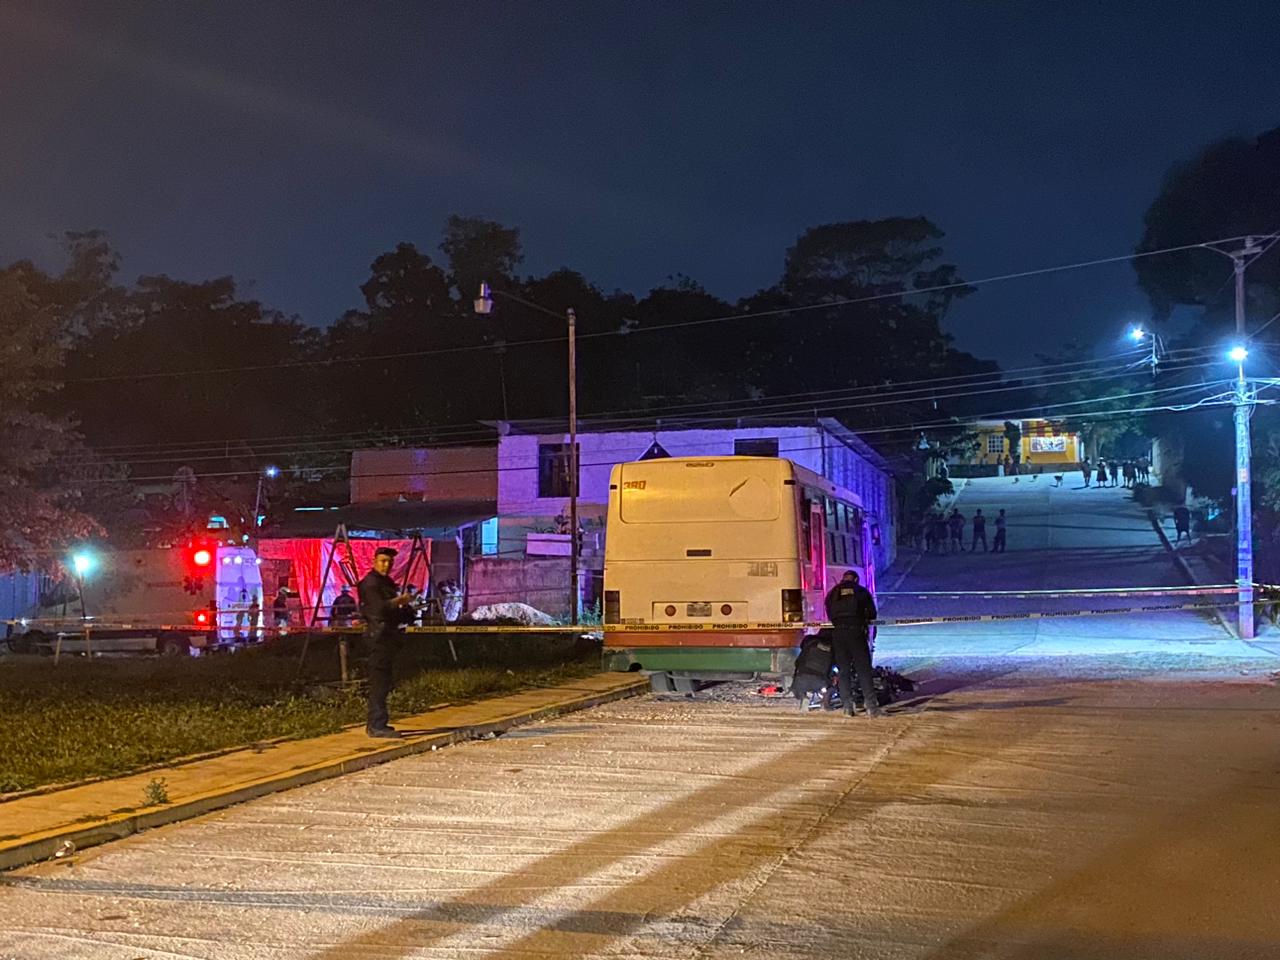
<point>386,610</point>
<point>850,608</point>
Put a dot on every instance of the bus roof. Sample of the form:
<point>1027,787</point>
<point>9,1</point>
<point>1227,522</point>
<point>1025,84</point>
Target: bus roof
<point>801,474</point>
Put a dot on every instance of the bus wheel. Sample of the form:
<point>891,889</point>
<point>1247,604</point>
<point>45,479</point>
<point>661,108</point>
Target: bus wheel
<point>686,684</point>
<point>661,683</point>
<point>26,642</point>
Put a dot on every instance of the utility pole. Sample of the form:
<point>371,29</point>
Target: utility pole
<point>1243,402</point>
<point>484,306</point>
<point>575,594</point>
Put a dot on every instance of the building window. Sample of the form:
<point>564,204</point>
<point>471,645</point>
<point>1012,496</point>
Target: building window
<point>755,447</point>
<point>995,443</point>
<point>553,469</point>
<point>489,537</point>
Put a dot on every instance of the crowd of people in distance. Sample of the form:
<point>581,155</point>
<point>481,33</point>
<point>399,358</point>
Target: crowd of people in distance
<point>1114,473</point>
<point>939,532</point>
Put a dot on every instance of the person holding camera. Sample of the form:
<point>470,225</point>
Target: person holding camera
<point>386,611</point>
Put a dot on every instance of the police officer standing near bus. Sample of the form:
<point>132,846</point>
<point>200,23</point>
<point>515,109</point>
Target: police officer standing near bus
<point>385,610</point>
<point>851,609</point>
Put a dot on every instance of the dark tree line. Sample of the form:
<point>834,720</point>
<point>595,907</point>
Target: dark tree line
<point>141,378</point>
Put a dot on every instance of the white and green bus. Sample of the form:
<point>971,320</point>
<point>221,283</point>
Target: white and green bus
<point>714,565</point>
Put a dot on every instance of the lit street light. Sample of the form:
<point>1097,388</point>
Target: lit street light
<point>82,563</point>
<point>1138,335</point>
<point>1245,396</point>
<point>269,473</point>
<point>1243,403</point>
<point>484,307</point>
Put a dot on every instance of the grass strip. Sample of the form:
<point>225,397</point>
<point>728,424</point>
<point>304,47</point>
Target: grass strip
<point>110,716</point>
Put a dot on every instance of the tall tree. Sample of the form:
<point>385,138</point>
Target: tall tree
<point>890,331</point>
<point>479,251</point>
<point>40,511</point>
<point>1229,189</point>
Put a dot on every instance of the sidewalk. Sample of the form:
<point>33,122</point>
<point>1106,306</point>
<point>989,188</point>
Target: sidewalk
<point>38,826</point>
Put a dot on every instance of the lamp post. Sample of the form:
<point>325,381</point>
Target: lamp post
<point>484,306</point>
<point>1243,401</point>
<point>81,564</point>
<point>269,473</point>
<point>1139,335</point>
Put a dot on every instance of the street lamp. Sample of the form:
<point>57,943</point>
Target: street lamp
<point>82,563</point>
<point>270,472</point>
<point>1243,400</point>
<point>1138,335</point>
<point>484,306</point>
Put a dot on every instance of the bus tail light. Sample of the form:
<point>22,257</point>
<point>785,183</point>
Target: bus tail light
<point>793,606</point>
<point>612,606</point>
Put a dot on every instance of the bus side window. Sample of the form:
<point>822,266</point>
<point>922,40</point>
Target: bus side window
<point>806,516</point>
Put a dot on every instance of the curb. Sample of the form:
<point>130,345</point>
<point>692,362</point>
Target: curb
<point>20,851</point>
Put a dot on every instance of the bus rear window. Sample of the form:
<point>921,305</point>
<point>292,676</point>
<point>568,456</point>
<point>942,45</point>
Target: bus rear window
<point>686,493</point>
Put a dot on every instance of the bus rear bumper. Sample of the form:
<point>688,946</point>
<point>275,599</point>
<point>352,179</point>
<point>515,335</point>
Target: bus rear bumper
<point>722,661</point>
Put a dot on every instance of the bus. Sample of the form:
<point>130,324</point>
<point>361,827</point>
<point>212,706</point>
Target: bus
<point>714,565</point>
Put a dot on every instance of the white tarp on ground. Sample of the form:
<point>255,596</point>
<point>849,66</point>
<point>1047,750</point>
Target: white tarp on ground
<point>519,612</point>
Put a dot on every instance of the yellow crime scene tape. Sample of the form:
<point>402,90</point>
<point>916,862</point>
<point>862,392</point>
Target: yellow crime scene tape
<point>596,629</point>
<point>1270,593</point>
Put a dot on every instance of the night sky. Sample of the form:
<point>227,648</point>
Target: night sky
<point>288,143</point>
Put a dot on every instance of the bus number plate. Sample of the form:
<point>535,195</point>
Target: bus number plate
<point>698,609</point>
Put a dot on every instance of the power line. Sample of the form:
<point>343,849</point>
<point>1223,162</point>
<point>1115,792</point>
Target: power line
<point>657,328</point>
<point>911,428</point>
<point>783,409</point>
<point>468,432</point>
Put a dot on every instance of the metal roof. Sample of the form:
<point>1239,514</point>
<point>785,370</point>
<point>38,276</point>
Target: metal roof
<point>385,519</point>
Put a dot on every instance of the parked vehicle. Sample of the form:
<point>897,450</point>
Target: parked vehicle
<point>713,566</point>
<point>169,600</point>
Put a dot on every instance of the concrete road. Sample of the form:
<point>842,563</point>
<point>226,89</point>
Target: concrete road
<point>1003,814</point>
<point>1059,538</point>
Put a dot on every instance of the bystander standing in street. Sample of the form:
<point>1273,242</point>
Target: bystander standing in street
<point>1182,522</point>
<point>1102,473</point>
<point>940,533</point>
<point>851,610</point>
<point>979,531</point>
<point>998,545</point>
<point>1086,468</point>
<point>385,610</point>
<point>955,523</point>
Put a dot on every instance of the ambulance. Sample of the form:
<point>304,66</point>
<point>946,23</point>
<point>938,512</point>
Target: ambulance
<point>178,600</point>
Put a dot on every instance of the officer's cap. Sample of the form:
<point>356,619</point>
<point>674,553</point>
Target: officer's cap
<point>385,552</point>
